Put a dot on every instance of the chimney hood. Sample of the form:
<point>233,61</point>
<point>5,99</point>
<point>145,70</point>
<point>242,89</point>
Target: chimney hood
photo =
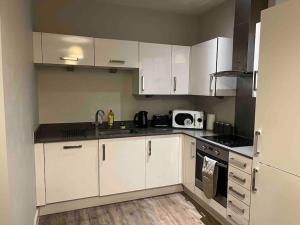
<point>247,14</point>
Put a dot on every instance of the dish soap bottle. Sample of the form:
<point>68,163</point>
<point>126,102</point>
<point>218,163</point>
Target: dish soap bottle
<point>110,119</point>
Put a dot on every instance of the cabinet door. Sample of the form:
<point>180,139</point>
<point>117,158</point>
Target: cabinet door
<point>155,69</point>
<point>256,58</point>
<point>71,170</point>
<point>68,50</point>
<point>122,165</point>
<point>180,69</point>
<point>163,161</point>
<point>116,53</point>
<point>277,200</point>
<point>203,63</point>
<point>37,47</point>
<point>189,163</point>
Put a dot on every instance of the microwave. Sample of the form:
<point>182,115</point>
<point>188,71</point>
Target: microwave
<point>187,119</point>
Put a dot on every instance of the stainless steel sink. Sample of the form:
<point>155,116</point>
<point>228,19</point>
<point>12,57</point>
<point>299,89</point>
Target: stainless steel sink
<point>117,132</point>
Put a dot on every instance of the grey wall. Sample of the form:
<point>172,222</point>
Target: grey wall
<point>57,87</point>
<point>19,92</point>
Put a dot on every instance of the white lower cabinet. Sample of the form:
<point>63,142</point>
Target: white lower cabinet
<point>71,170</point>
<point>189,163</point>
<point>163,161</point>
<point>121,165</point>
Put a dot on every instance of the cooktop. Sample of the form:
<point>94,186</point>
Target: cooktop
<point>230,140</point>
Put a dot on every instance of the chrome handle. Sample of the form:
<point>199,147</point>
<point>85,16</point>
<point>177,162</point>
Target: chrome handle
<point>255,144</point>
<point>72,147</point>
<point>210,83</point>
<point>237,163</point>
<point>175,84</point>
<point>143,83</point>
<point>255,80</point>
<point>233,220</point>
<point>69,58</point>
<point>241,180</point>
<point>254,188</point>
<point>236,208</point>
<point>192,150</point>
<point>235,192</point>
<point>150,149</point>
<point>103,151</point>
<point>117,61</point>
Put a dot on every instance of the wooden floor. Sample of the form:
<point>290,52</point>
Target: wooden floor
<point>172,209</point>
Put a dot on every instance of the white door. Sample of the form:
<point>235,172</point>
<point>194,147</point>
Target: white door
<point>67,49</point>
<point>277,199</point>
<point>277,104</point>
<point>189,163</point>
<point>122,165</point>
<point>71,170</point>
<point>37,47</point>
<point>256,58</point>
<point>203,63</point>
<point>180,69</point>
<point>116,53</point>
<point>155,69</point>
<point>163,161</point>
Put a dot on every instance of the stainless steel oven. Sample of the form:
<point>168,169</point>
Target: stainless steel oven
<point>221,156</point>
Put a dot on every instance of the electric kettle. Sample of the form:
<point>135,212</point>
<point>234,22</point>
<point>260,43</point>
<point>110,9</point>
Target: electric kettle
<point>141,120</point>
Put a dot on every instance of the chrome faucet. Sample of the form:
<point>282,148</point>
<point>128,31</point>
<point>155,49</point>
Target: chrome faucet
<point>99,117</point>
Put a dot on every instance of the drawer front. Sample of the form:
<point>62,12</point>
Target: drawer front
<point>67,49</point>
<point>239,177</point>
<point>237,208</point>
<point>239,192</point>
<point>240,162</point>
<point>234,219</point>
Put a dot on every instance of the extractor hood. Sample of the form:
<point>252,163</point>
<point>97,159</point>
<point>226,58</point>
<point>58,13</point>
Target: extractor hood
<point>247,14</point>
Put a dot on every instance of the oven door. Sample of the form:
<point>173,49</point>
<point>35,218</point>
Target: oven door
<point>221,196</point>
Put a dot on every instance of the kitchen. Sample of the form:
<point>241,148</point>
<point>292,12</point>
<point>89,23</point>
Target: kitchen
<point>149,112</point>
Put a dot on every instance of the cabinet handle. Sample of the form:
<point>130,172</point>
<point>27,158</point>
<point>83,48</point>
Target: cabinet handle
<point>237,163</point>
<point>210,83</point>
<point>237,193</point>
<point>255,144</point>
<point>175,84</point>
<point>236,208</point>
<point>233,220</point>
<point>254,188</point>
<point>192,150</point>
<point>117,61</point>
<point>235,177</point>
<point>143,83</point>
<point>149,150</point>
<point>72,147</point>
<point>103,151</point>
<point>255,73</point>
<point>69,58</point>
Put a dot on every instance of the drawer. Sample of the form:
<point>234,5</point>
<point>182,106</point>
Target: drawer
<point>234,219</point>
<point>239,177</point>
<point>239,192</point>
<point>237,208</point>
<point>240,162</point>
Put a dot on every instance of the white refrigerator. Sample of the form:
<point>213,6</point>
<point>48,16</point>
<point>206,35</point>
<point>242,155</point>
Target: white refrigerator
<point>275,198</point>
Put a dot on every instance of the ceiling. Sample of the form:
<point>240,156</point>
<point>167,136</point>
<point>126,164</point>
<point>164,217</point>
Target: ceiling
<point>191,7</point>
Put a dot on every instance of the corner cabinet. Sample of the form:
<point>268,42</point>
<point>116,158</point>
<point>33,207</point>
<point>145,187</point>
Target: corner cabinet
<point>121,165</point>
<point>208,58</point>
<point>189,163</point>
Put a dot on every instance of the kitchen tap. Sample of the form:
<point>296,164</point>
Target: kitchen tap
<point>99,117</point>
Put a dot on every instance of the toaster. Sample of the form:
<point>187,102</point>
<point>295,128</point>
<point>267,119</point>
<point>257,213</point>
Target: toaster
<point>161,120</point>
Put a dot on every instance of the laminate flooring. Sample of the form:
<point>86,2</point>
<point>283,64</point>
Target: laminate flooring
<point>173,209</point>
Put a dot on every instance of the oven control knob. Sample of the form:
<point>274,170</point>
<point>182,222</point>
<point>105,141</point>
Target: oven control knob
<point>203,147</point>
<point>217,152</point>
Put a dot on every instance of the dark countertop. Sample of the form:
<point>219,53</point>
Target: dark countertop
<point>62,132</point>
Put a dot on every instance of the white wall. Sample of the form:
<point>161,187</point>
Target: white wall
<point>19,89</point>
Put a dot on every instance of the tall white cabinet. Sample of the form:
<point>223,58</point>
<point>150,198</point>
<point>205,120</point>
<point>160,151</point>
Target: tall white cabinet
<point>208,58</point>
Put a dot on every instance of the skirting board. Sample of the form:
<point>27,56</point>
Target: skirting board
<point>36,217</point>
<point>209,209</point>
<point>105,200</point>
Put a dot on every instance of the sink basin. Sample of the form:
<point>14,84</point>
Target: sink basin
<point>117,132</point>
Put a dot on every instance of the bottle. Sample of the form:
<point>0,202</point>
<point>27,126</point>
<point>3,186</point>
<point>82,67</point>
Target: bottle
<point>110,119</point>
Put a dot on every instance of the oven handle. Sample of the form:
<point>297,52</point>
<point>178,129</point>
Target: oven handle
<point>218,163</point>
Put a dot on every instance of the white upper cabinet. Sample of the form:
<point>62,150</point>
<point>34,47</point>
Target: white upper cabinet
<point>180,69</point>
<point>155,69</point>
<point>37,47</point>
<point>256,58</point>
<point>116,53</point>
<point>207,58</point>
<point>67,49</point>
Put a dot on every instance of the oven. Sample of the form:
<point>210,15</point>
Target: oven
<point>221,156</point>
